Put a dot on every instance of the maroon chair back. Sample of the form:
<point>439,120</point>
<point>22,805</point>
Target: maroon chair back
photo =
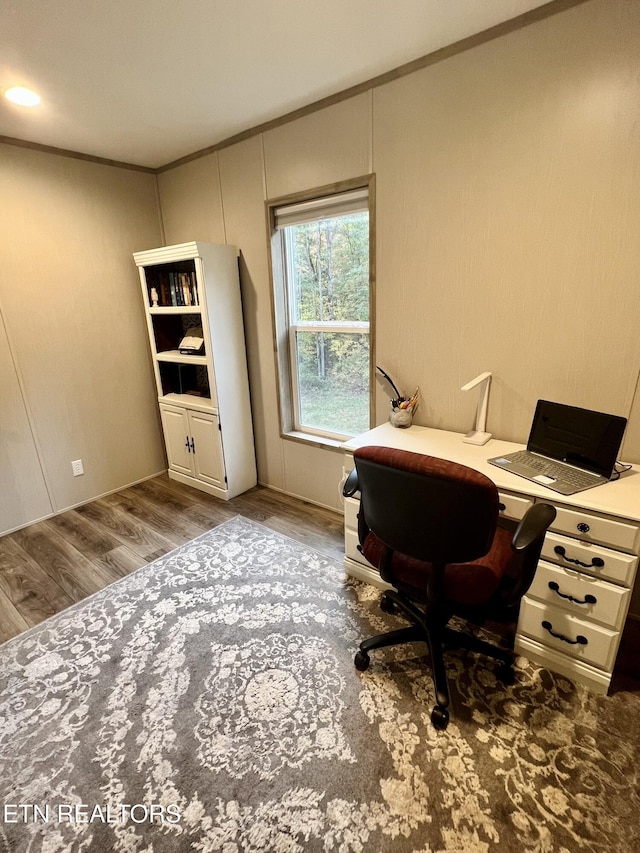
<point>426,508</point>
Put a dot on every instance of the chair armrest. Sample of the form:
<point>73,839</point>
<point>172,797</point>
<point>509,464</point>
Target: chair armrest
<point>351,485</point>
<point>533,526</point>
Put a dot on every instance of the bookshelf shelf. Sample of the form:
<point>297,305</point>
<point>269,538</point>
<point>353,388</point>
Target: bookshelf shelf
<point>203,399</point>
<point>176,309</point>
<point>177,357</point>
<point>188,401</point>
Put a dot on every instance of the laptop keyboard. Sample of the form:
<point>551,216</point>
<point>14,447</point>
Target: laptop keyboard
<point>554,469</point>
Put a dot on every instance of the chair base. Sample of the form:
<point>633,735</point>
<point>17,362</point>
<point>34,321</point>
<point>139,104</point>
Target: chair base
<point>432,629</point>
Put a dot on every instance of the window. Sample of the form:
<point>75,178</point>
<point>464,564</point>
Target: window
<point>320,253</point>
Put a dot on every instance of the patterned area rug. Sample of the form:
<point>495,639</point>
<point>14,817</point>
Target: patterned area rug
<point>209,702</point>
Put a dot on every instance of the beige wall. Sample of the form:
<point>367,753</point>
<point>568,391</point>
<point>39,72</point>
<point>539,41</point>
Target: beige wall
<point>75,372</point>
<point>507,221</point>
<point>507,209</point>
<point>192,204</point>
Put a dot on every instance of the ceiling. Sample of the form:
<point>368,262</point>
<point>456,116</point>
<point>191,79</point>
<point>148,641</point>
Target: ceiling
<point>147,82</point>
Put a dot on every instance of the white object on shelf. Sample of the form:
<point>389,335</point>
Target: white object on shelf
<point>479,435</point>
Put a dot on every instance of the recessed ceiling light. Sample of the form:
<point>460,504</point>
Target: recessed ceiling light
<point>22,96</point>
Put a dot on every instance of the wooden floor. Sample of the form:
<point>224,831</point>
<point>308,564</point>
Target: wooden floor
<point>54,563</point>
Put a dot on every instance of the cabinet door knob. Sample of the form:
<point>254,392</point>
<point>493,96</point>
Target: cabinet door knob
<point>583,527</point>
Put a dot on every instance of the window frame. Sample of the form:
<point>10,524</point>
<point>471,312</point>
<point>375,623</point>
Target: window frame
<point>286,328</point>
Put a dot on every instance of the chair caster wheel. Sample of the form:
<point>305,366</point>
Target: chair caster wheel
<point>440,717</point>
<point>362,661</point>
<point>506,674</point>
<point>387,605</point>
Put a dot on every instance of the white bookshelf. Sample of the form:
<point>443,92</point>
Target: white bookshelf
<point>204,399</point>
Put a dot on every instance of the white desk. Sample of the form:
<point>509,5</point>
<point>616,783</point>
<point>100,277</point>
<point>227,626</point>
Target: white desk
<point>591,552</point>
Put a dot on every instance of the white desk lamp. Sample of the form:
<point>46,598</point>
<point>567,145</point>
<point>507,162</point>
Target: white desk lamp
<point>479,435</point>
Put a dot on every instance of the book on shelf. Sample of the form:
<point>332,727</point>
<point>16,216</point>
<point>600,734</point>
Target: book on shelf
<point>185,288</point>
<point>165,293</point>
<point>172,289</point>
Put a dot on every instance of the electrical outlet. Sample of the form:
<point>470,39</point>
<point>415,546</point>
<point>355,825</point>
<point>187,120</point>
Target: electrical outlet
<point>77,468</point>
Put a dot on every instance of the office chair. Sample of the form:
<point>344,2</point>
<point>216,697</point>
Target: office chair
<point>431,528</point>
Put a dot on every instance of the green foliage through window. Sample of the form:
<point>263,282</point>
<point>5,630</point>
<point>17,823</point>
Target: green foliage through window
<point>330,269</point>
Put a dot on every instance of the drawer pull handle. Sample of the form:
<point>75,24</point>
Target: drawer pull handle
<point>501,507</point>
<point>583,527</point>
<point>588,599</point>
<point>579,640</point>
<point>596,563</point>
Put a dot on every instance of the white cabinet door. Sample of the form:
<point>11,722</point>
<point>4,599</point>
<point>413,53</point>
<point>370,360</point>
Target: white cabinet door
<point>175,424</point>
<point>207,448</point>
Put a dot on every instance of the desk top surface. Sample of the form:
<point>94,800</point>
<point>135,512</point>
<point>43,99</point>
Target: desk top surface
<point>620,498</point>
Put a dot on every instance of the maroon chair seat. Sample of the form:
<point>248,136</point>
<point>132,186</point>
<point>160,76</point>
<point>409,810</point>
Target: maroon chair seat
<point>468,584</point>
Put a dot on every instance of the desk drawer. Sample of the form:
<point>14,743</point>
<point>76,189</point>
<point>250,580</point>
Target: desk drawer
<point>575,593</point>
<point>595,528</point>
<point>585,557</point>
<point>351,548</point>
<point>513,506</point>
<point>561,631</point>
<point>351,510</point>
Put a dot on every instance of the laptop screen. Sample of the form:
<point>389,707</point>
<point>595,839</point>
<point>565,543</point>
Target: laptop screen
<point>589,440</point>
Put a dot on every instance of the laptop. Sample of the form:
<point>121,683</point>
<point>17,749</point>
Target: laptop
<point>569,449</point>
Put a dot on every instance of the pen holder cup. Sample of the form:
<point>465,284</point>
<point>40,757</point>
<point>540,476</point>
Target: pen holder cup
<point>401,418</point>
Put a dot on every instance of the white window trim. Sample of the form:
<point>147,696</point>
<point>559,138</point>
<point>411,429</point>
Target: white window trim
<point>332,204</point>
<point>330,326</point>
